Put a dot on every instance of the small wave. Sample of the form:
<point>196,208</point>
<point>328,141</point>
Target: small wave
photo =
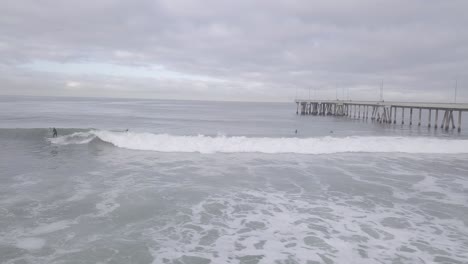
<point>240,144</point>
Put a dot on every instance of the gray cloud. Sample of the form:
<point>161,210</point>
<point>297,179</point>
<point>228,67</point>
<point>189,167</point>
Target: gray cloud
<point>260,50</point>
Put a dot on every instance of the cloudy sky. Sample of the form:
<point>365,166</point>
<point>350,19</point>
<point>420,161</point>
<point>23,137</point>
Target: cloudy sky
<point>255,50</point>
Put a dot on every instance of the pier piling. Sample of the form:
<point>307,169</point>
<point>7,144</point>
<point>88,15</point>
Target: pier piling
<point>402,115</point>
<point>411,116</point>
<point>419,123</point>
<point>451,119</point>
<point>459,120</point>
<point>389,111</point>
<point>447,120</point>
<point>429,119</point>
<point>442,125</point>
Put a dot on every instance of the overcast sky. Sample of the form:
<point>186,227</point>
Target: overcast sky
<point>251,50</point>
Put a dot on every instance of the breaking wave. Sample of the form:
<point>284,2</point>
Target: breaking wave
<point>75,138</point>
<point>239,144</point>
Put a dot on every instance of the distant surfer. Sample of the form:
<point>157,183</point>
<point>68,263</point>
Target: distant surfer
<point>295,131</point>
<point>54,132</point>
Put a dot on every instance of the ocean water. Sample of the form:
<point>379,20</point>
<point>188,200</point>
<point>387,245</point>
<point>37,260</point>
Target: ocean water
<point>224,182</point>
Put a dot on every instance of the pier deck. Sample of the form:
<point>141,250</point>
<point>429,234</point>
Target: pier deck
<point>384,111</point>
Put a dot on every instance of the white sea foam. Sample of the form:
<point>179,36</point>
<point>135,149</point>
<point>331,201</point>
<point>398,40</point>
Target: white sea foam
<point>30,243</point>
<point>275,227</point>
<point>52,227</point>
<point>239,144</point>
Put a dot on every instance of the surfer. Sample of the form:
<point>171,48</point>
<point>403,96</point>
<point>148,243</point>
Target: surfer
<point>296,131</point>
<point>54,132</point>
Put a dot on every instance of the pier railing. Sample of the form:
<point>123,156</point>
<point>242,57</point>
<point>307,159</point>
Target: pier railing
<point>384,112</point>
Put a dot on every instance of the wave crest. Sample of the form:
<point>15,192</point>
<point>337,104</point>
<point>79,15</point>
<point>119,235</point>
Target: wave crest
<point>240,144</point>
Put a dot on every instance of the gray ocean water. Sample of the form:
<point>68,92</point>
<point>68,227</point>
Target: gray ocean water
<point>224,182</point>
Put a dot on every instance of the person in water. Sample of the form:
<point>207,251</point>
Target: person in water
<point>54,131</point>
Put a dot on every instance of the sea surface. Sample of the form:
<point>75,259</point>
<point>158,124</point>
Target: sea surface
<point>195,182</point>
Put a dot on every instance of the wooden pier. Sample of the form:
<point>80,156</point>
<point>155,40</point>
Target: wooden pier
<point>386,112</point>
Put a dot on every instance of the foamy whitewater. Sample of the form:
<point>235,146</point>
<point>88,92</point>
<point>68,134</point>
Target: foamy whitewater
<point>210,182</point>
<point>239,144</point>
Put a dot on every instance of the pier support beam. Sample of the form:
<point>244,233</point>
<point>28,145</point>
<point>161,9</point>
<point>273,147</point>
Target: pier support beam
<point>451,119</point>
<point>447,120</point>
<point>442,125</point>
<point>411,116</point>
<point>382,118</point>
<point>419,123</point>
<point>386,115</point>
<point>390,116</point>
<point>459,121</point>
<point>436,119</point>
<point>402,115</point>
<point>429,120</point>
<point>394,116</point>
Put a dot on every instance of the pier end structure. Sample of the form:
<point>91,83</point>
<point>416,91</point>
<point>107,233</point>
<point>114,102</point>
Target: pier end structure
<point>382,111</point>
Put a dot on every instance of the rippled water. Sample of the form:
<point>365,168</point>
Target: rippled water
<point>86,199</point>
